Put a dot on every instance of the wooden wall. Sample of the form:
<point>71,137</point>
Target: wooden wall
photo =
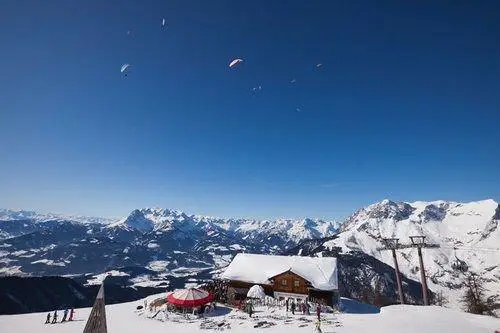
<point>239,289</point>
<point>287,283</point>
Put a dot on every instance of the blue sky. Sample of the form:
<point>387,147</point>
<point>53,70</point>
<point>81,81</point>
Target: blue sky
<point>405,106</point>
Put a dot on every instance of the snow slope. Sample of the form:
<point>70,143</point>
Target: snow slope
<point>123,318</point>
<point>466,232</point>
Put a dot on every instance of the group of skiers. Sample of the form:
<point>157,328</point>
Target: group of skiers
<point>302,306</point>
<point>65,317</point>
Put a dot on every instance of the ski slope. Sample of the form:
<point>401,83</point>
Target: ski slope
<point>124,318</point>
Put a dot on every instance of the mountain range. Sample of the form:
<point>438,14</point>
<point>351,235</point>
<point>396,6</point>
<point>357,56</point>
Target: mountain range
<point>154,247</point>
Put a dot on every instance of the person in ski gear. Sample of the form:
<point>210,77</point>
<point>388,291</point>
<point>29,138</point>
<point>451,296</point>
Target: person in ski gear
<point>250,309</point>
<point>65,314</point>
<point>48,319</point>
<point>308,312</point>
<point>318,311</point>
<point>292,307</point>
<point>71,313</point>
<point>287,300</point>
<point>54,317</point>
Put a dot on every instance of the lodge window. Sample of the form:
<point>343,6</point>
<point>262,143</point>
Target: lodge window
<point>296,283</point>
<point>283,282</point>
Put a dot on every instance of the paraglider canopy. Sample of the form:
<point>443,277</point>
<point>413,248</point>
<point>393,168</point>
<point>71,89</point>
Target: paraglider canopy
<point>189,298</point>
<point>235,62</point>
<point>256,291</point>
<point>124,67</point>
<point>163,22</point>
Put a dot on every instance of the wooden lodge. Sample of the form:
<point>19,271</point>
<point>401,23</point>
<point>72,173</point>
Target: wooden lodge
<point>284,277</point>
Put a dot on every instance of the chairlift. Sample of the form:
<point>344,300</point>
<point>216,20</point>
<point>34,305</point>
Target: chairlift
<point>458,264</point>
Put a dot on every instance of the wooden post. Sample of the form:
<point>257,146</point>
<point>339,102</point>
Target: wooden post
<point>97,318</point>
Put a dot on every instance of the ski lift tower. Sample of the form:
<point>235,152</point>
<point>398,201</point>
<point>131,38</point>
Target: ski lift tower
<point>393,245</point>
<point>419,243</point>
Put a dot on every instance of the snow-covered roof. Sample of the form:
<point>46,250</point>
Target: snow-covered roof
<point>259,268</point>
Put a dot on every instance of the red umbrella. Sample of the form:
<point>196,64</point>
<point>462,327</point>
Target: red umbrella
<point>190,298</point>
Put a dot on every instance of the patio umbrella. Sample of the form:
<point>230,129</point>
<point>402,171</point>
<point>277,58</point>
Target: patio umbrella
<point>190,298</point>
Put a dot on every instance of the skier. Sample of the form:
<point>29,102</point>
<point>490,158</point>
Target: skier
<point>48,319</point>
<point>318,312</point>
<point>307,308</point>
<point>54,318</point>
<point>287,304</point>
<point>250,309</point>
<point>292,307</point>
<point>303,307</point>
<point>65,314</point>
<point>71,313</point>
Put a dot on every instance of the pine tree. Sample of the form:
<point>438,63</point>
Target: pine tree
<point>474,299</point>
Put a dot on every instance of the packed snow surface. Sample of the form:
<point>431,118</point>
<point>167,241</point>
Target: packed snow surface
<point>124,318</point>
<point>257,268</point>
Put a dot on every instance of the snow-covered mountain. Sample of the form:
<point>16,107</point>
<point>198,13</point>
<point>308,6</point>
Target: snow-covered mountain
<point>160,247</point>
<point>270,233</point>
<point>468,235</point>
<point>149,247</point>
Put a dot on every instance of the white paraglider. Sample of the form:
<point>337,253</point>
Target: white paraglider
<point>124,67</point>
<point>293,81</point>
<point>319,65</point>
<point>163,22</point>
<point>235,62</point>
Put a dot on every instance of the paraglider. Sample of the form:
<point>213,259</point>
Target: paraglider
<point>163,22</point>
<point>235,62</point>
<point>293,81</point>
<point>124,68</point>
<point>319,65</point>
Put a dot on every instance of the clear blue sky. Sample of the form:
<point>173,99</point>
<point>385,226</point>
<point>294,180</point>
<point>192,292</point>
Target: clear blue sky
<point>406,105</point>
